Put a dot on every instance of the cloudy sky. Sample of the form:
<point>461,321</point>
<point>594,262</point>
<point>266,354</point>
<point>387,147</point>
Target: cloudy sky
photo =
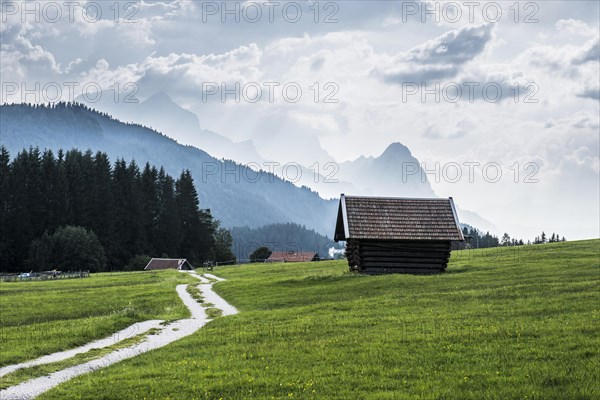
<point>488,86</point>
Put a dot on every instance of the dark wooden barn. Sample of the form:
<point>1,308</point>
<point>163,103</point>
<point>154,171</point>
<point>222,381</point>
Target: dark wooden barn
<point>169,263</point>
<point>397,235</point>
<point>293,256</point>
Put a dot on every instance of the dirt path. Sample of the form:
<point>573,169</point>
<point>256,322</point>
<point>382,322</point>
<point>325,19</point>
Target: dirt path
<point>169,333</point>
<point>130,331</point>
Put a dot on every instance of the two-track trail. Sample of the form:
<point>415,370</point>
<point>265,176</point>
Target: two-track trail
<point>166,334</point>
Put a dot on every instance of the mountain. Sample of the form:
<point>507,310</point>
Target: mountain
<point>162,114</point>
<point>236,195</point>
<point>67,127</point>
<point>475,220</point>
<point>363,176</point>
<point>396,172</point>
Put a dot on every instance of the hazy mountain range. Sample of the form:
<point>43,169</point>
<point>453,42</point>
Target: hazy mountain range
<point>236,194</point>
<point>375,176</point>
<point>162,114</point>
<point>363,176</point>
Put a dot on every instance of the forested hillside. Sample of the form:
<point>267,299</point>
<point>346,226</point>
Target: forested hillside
<point>132,211</point>
<point>237,195</point>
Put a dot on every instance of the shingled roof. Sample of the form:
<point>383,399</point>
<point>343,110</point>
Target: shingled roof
<point>293,256</point>
<point>393,218</point>
<point>169,263</point>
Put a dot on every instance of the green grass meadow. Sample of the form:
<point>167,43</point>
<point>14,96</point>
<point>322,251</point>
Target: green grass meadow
<point>38,318</point>
<point>507,323</point>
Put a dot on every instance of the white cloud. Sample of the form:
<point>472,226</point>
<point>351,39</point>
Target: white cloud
<point>462,128</point>
<point>590,52</point>
<point>574,26</point>
<point>438,58</point>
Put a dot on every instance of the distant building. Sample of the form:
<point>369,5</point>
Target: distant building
<point>169,263</point>
<point>397,235</point>
<point>336,254</point>
<point>293,256</point>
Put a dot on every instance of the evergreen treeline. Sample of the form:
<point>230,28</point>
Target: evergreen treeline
<point>133,212</point>
<point>479,240</point>
<point>544,239</point>
<point>279,237</point>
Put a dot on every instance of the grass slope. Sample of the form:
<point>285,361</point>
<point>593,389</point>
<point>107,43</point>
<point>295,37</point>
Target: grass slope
<point>509,323</point>
<point>39,318</point>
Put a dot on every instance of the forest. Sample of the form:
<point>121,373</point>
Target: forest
<point>476,239</point>
<point>47,199</point>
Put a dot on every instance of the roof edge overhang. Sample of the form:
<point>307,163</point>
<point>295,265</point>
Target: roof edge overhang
<point>345,216</point>
<point>460,232</point>
<point>395,197</point>
<point>341,226</point>
<point>389,240</point>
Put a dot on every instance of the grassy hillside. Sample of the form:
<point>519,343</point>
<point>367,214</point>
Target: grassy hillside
<point>39,318</point>
<point>510,323</point>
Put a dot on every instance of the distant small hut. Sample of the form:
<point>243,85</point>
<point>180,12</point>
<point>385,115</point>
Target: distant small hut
<point>397,235</point>
<point>293,256</point>
<point>180,264</point>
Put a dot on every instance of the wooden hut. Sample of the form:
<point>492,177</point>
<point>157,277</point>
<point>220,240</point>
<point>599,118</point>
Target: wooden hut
<point>293,256</point>
<point>169,263</point>
<point>397,235</point>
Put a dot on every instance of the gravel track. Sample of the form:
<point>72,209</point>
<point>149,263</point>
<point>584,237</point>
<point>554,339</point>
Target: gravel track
<point>130,331</point>
<point>169,333</point>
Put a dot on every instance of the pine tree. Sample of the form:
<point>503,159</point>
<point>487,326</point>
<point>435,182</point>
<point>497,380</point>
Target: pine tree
<point>206,240</point>
<point>78,210</point>
<point>4,199</point>
<point>63,213</point>
<point>150,206</point>
<point>48,175</point>
<point>18,213</point>
<point>189,217</point>
<point>128,220</point>
<point>36,202</point>
<point>102,203</point>
<point>169,228</point>
<point>120,252</point>
<point>136,210</point>
<point>223,244</point>
<point>88,190</point>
